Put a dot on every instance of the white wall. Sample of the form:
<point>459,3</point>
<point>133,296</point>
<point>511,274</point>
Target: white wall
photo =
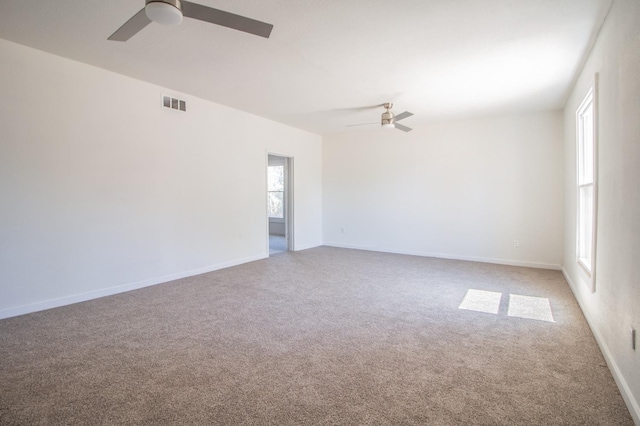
<point>462,190</point>
<point>614,307</point>
<point>103,190</point>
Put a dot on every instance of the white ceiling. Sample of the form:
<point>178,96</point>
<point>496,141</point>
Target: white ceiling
<point>326,60</point>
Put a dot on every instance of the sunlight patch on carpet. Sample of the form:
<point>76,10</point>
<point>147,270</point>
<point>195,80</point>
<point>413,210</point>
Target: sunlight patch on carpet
<point>481,301</point>
<point>529,307</point>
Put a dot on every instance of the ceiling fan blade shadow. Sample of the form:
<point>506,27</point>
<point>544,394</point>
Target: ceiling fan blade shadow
<point>403,128</point>
<point>226,19</point>
<point>131,27</point>
<point>403,115</point>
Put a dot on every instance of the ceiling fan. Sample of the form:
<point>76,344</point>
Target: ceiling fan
<point>389,120</point>
<point>171,12</point>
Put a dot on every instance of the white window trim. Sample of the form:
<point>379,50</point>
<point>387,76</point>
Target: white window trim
<point>588,270</point>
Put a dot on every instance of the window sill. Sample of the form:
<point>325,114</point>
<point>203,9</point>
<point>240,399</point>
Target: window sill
<point>586,266</point>
<point>587,271</point>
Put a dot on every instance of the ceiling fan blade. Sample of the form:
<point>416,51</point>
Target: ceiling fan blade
<point>362,124</point>
<point>131,27</point>
<point>226,19</point>
<point>403,128</point>
<point>403,115</point>
<point>359,108</point>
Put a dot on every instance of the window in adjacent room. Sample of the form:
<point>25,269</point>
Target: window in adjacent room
<point>586,180</point>
<point>275,182</point>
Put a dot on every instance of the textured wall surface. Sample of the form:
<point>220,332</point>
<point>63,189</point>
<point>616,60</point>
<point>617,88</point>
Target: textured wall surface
<point>614,308</point>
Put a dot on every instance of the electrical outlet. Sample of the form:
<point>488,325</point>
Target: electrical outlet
<point>633,339</point>
<point>516,243</point>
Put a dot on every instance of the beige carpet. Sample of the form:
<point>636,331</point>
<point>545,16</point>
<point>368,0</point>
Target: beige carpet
<point>323,336</point>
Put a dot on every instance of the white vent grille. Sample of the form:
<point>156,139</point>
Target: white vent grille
<point>173,103</point>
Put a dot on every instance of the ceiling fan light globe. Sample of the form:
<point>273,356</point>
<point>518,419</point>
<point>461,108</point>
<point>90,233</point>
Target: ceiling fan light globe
<point>163,13</point>
<point>388,126</point>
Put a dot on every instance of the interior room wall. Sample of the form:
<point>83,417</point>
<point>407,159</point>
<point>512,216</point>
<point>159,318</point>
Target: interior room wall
<point>104,190</point>
<point>464,190</point>
<point>276,228</point>
<point>613,309</point>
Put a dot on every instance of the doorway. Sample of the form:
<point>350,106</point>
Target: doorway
<point>279,203</point>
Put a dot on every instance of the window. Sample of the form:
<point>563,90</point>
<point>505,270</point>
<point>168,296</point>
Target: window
<point>586,180</point>
<point>275,187</point>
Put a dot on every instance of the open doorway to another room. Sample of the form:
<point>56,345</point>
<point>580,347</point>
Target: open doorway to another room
<point>279,204</point>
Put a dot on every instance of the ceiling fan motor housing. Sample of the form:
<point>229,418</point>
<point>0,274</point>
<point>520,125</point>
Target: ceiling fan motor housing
<point>387,116</point>
<point>165,12</point>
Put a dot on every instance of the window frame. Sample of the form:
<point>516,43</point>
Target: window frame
<point>590,100</point>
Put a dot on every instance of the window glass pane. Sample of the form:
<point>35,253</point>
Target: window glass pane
<point>587,144</point>
<point>581,153</point>
<point>586,164</point>
<point>275,178</point>
<point>276,204</point>
<point>585,225</point>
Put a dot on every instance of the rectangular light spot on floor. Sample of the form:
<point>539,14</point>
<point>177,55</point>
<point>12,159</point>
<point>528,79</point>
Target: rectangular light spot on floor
<point>537,308</point>
<point>481,301</point>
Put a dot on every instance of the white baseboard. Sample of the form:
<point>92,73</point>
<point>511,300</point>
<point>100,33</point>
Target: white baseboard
<point>82,297</point>
<point>306,247</point>
<point>509,262</point>
<point>632,404</point>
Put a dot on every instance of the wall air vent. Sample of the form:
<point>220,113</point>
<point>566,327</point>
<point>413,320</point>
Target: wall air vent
<point>173,103</point>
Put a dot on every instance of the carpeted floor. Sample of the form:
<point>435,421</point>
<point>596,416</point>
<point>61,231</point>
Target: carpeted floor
<point>322,336</point>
